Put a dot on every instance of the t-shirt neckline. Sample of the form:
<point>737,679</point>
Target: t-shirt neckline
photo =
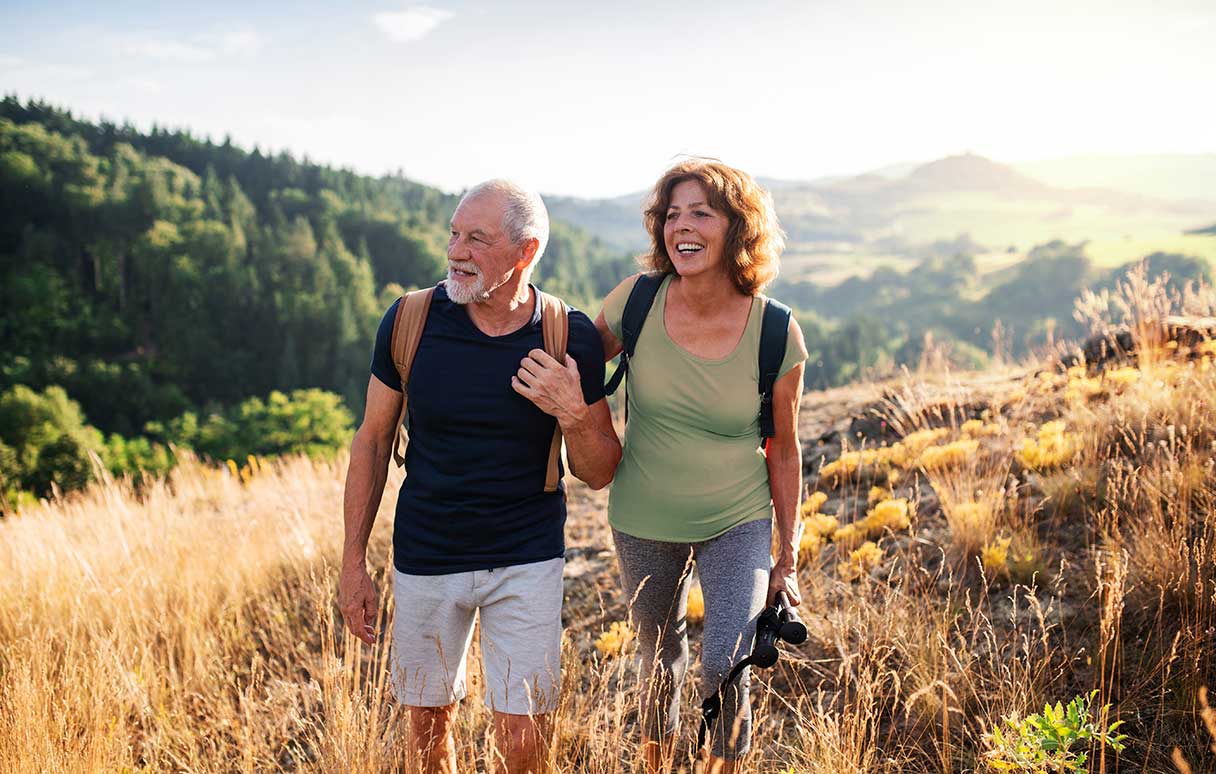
<point>522,330</point>
<point>691,356</point>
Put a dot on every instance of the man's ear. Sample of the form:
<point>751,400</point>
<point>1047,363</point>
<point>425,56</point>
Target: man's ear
<point>527,253</point>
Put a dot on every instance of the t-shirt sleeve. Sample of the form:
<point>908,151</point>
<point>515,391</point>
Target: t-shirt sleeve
<point>614,306</point>
<point>382,355</point>
<point>585,346</point>
<point>795,349</point>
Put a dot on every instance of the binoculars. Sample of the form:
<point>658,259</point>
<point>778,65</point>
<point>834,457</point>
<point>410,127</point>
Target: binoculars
<point>779,621</point>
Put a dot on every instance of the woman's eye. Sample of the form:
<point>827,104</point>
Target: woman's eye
<point>671,216</point>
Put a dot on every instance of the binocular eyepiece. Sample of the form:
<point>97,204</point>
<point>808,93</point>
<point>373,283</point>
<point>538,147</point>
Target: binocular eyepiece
<point>779,621</point>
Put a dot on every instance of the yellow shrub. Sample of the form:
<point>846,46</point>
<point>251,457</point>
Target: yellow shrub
<point>861,562</point>
<point>1051,448</point>
<point>1122,377</point>
<point>888,514</point>
<point>978,427</point>
<point>968,517</point>
<point>696,605</point>
<point>948,455</point>
<point>1084,389</point>
<point>914,443</point>
<point>820,524</point>
<point>809,545</point>
<point>877,493</point>
<point>813,503</point>
<point>844,466</point>
<point>995,556</point>
<point>614,641</point>
<point>848,536</point>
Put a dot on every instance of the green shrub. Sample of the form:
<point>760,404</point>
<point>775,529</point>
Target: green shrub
<point>139,457</point>
<point>313,422</point>
<point>1054,742</point>
<point>45,442</point>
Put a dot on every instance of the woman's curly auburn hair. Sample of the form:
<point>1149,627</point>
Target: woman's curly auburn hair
<point>754,239</point>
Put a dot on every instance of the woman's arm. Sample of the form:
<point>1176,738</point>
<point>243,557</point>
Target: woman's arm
<point>612,345</point>
<point>784,455</point>
<point>616,298</point>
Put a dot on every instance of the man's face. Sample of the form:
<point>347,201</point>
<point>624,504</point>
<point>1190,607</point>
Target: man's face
<point>481,257</point>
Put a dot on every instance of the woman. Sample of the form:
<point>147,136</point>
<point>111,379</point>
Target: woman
<point>693,482</point>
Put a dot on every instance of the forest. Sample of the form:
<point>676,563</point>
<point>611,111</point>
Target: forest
<point>160,288</point>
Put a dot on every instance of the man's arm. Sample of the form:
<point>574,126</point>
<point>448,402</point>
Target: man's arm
<point>592,446</point>
<point>369,456</point>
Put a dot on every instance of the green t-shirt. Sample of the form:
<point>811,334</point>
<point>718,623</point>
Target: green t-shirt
<point>692,466</point>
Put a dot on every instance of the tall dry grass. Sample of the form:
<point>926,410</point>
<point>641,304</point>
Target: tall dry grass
<point>191,627</point>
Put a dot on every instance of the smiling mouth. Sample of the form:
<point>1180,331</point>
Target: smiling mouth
<point>689,248</point>
<point>461,272</point>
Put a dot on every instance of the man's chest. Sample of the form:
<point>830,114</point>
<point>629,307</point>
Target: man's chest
<point>463,383</point>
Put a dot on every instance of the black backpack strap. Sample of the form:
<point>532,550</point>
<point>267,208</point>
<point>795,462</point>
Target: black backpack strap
<point>773,332</point>
<point>637,306</point>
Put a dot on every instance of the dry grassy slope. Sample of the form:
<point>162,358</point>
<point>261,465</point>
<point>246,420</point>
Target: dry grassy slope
<point>829,422</point>
<point>191,628</point>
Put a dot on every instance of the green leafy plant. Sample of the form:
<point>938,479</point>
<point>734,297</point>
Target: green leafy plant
<point>1054,742</point>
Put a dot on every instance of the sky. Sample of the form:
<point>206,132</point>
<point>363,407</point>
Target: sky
<point>596,99</point>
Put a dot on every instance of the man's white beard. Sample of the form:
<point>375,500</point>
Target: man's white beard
<point>462,292</point>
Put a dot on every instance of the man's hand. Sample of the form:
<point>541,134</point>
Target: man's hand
<point>554,387</point>
<point>358,601</point>
<point>784,577</point>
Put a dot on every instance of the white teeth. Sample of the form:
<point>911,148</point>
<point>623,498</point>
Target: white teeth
<point>689,247</point>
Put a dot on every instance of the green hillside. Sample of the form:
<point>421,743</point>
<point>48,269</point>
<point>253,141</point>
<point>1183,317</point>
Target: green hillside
<point>157,277</point>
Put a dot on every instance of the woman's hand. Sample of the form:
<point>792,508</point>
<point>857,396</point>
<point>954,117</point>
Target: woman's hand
<point>784,577</point>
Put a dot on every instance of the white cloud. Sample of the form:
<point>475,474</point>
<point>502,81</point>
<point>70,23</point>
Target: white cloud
<point>167,50</point>
<point>410,23</point>
<point>141,84</point>
<point>19,70</point>
<point>198,49</point>
<point>240,42</point>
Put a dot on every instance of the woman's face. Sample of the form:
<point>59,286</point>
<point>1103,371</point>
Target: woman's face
<point>694,233</point>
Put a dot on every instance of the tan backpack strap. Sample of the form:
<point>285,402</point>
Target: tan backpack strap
<point>407,332</point>
<point>555,327</point>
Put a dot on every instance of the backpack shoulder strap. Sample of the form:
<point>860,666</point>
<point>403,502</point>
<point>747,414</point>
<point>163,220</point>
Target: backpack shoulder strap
<point>637,307</point>
<point>407,332</point>
<point>773,332</point>
<point>555,327</point>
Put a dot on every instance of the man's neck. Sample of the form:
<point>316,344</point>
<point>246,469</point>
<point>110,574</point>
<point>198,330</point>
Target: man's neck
<point>508,307</point>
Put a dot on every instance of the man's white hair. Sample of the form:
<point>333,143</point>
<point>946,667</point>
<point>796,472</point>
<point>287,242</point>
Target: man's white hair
<point>524,215</point>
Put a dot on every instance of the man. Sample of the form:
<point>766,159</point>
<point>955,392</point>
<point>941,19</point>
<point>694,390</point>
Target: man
<point>474,529</point>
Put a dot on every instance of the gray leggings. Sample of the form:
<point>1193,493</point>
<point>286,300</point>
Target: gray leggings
<point>734,570</point>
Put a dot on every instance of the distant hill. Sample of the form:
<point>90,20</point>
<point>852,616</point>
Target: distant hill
<point>1163,176</point>
<point>842,227</point>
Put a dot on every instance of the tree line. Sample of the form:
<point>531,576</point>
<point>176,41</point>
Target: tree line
<point>156,275</point>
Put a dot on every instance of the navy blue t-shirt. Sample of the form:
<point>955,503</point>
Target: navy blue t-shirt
<point>473,496</point>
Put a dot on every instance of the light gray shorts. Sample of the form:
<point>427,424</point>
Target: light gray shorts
<point>521,636</point>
